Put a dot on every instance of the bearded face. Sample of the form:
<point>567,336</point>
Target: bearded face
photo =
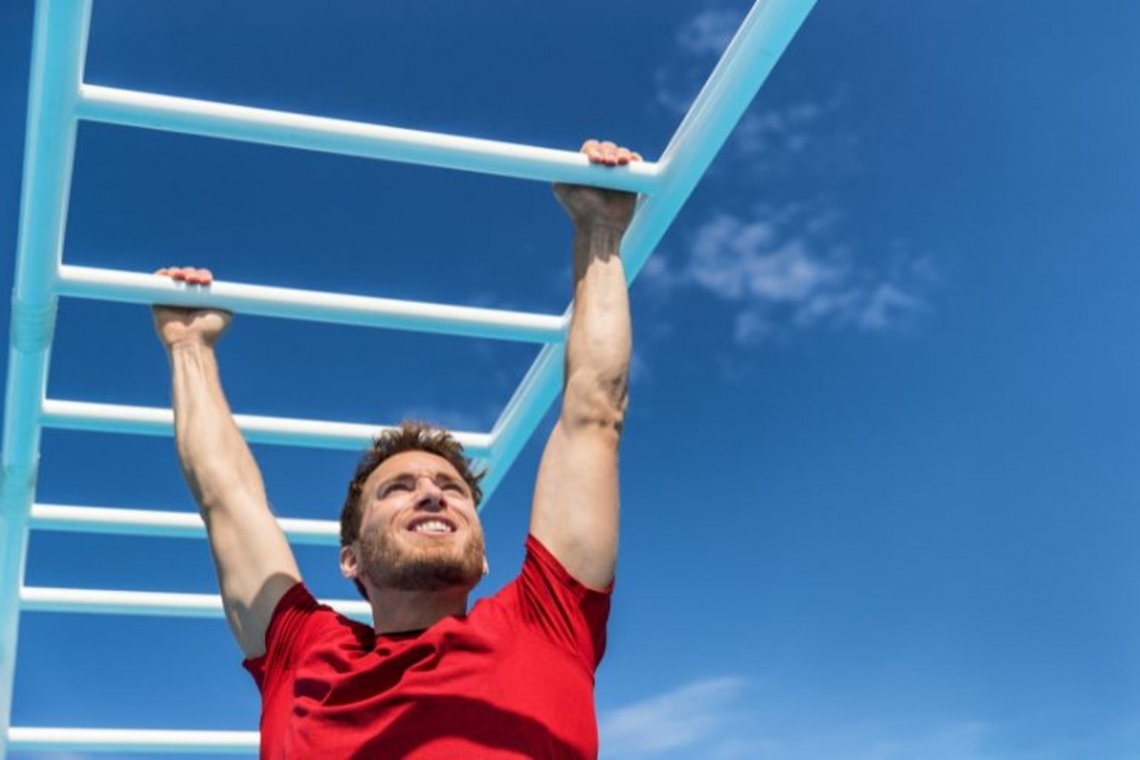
<point>427,564</point>
<point>419,530</point>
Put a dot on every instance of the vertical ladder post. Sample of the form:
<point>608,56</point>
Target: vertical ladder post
<point>58,51</point>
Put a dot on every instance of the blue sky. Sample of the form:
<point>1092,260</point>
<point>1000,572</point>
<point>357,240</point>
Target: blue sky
<point>880,477</point>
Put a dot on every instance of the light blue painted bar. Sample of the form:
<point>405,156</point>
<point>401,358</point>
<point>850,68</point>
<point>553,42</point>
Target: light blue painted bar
<point>528,405</point>
<point>144,420</point>
<point>150,603</point>
<point>354,138</point>
<point>164,524</point>
<point>58,51</point>
<point>129,740</point>
<point>314,306</point>
<point>744,67</point>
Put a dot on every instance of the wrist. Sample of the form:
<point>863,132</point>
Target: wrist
<point>608,234</point>
<point>188,344</point>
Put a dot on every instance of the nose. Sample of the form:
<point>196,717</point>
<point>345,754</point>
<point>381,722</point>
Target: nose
<point>429,494</point>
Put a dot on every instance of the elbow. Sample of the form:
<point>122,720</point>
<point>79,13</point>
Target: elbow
<point>596,402</point>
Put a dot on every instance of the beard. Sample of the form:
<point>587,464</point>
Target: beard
<point>391,563</point>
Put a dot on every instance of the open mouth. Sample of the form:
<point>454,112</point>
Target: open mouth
<point>432,526</point>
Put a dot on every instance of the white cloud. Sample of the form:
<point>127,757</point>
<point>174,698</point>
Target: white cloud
<point>787,128</point>
<point>700,41</point>
<point>784,268</point>
<point>679,719</point>
<point>884,305</point>
<point>711,719</point>
<point>782,274</point>
<point>709,32</point>
<point>737,259</point>
<point>780,137</point>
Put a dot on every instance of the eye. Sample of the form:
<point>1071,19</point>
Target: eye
<point>453,486</point>
<point>399,485</point>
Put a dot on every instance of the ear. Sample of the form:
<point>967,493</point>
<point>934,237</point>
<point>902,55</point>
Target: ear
<point>349,562</point>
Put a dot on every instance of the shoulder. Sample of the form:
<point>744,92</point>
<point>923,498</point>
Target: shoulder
<point>546,600</point>
<point>299,621</point>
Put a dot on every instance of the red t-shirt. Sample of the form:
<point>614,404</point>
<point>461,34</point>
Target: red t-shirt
<point>513,678</point>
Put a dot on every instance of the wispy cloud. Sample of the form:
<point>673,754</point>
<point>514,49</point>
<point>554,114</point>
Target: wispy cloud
<point>783,268</point>
<point>700,41</point>
<point>767,137</point>
<point>731,718</point>
<point>783,273</point>
<point>709,32</point>
<point>680,719</point>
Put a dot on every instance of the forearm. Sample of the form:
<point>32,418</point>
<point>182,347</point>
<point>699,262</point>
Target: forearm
<point>253,560</point>
<point>216,461</point>
<point>576,500</point>
<point>599,342</point>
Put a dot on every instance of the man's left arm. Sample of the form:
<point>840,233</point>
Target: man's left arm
<point>575,510</point>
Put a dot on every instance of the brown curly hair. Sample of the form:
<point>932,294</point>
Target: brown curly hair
<point>409,436</point>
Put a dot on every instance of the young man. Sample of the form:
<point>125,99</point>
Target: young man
<point>512,678</point>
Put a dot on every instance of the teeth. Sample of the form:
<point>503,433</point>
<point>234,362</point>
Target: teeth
<point>433,526</point>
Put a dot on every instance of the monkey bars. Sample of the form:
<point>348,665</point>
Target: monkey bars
<point>59,98</point>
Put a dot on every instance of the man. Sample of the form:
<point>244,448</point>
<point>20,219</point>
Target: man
<point>512,678</point>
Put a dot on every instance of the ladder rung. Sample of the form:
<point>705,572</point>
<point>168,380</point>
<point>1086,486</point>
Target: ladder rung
<point>353,138</point>
<point>146,522</point>
<point>155,603</point>
<point>142,420</point>
<point>312,305</point>
<point>39,739</point>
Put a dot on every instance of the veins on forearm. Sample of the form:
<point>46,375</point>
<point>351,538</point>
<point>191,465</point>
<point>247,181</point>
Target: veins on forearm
<point>599,344</point>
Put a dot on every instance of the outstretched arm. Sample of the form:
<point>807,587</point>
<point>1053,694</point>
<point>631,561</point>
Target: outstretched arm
<point>253,560</point>
<point>575,511</point>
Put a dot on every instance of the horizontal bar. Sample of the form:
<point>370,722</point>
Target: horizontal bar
<point>29,739</point>
<point>145,522</point>
<point>154,603</point>
<point>316,306</point>
<point>141,420</point>
<point>354,138</point>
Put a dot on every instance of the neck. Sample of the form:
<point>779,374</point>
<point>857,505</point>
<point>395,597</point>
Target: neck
<point>397,611</point>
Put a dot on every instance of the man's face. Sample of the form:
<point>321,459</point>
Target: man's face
<point>419,529</point>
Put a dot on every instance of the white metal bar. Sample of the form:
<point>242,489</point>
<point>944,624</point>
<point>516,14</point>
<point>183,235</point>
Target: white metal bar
<point>154,603</point>
<point>145,522</point>
<point>58,50</point>
<point>37,739</point>
<point>353,138</point>
<point>142,420</point>
<point>745,65</point>
<point>316,306</point>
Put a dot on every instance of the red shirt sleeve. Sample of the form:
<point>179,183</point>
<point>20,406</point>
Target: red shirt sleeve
<point>570,614</point>
<point>284,635</point>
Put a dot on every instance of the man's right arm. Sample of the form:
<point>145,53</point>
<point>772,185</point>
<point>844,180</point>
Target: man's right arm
<point>253,560</point>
